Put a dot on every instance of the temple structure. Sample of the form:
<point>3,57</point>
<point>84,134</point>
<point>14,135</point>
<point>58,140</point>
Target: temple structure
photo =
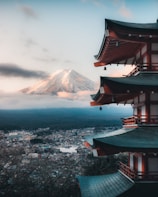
<point>137,45</point>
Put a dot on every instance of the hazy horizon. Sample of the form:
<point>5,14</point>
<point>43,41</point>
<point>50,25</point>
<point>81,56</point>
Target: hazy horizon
<point>61,118</point>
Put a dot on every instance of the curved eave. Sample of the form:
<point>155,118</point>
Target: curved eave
<point>109,149</point>
<point>109,185</point>
<point>123,29</point>
<point>124,89</point>
<point>142,139</point>
<point>120,36</point>
<point>138,26</point>
<point>133,83</point>
<point>115,51</point>
<point>104,99</point>
<point>125,85</point>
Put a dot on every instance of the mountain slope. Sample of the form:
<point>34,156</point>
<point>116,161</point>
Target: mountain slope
<point>65,80</point>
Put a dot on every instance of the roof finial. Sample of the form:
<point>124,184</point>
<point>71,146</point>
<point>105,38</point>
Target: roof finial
<point>157,20</point>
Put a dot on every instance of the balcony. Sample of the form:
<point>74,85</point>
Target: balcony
<point>137,175</point>
<point>127,171</point>
<point>143,120</point>
<point>130,122</point>
<point>143,67</point>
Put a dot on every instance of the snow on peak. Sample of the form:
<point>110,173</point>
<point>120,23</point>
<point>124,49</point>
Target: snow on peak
<point>66,80</point>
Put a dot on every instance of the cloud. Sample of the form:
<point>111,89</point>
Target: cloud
<point>97,3</point>
<point>81,95</point>
<point>25,101</point>
<point>124,11</point>
<point>44,56</point>
<point>28,11</point>
<point>120,5</point>
<point>68,61</point>
<point>45,59</point>
<point>12,70</point>
<point>29,43</point>
<point>19,100</point>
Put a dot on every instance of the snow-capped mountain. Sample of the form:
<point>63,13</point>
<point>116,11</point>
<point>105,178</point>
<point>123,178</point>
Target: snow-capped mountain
<point>65,80</point>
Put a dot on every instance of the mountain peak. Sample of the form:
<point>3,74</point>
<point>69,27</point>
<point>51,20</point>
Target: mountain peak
<point>66,70</point>
<point>63,80</point>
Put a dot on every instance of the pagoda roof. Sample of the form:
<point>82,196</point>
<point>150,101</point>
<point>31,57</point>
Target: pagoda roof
<point>104,185</point>
<point>143,79</point>
<point>103,134</point>
<point>134,26</point>
<point>143,139</point>
<point>115,184</point>
<point>120,89</point>
<point>122,40</point>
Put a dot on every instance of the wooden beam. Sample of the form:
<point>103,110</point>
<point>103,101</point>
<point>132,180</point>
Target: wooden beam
<point>97,64</point>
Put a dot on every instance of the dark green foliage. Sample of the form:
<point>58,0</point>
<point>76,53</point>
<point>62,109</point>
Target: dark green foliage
<point>36,141</point>
<point>60,118</point>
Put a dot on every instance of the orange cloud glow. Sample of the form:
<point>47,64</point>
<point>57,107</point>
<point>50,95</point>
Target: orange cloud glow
<point>125,12</point>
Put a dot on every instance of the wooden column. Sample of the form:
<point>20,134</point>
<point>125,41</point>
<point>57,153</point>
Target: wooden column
<point>147,106</point>
<point>149,63</point>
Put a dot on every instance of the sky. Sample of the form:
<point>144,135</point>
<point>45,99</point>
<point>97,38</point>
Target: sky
<point>38,37</point>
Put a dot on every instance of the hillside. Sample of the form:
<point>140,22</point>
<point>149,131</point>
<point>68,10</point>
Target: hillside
<point>61,118</point>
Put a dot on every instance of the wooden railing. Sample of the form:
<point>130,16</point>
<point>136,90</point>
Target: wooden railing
<point>150,176</point>
<point>127,171</point>
<point>137,175</point>
<point>143,67</point>
<point>130,120</point>
<point>142,120</point>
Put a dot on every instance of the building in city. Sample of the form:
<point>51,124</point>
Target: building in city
<point>129,44</point>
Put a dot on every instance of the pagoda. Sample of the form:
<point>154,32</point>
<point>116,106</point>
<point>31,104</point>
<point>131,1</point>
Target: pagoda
<point>128,44</point>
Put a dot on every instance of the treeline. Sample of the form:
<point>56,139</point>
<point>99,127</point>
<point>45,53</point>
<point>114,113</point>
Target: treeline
<point>57,119</point>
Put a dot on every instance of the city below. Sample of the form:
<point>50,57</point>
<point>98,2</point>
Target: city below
<point>42,151</point>
<point>44,162</point>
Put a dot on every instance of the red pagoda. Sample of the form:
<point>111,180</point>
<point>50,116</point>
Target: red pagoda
<point>137,45</point>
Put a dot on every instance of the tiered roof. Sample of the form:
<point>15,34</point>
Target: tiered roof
<point>141,139</point>
<point>122,40</point>
<point>115,184</point>
<point>124,89</point>
<point>105,185</point>
<point>121,44</point>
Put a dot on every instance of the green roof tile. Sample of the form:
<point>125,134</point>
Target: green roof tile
<point>110,185</point>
